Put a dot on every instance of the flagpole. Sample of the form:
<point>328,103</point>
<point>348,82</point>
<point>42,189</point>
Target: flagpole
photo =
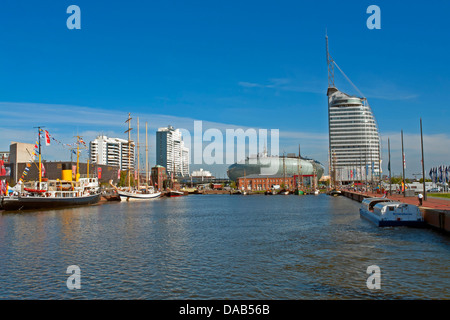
<point>423,164</point>
<point>403,167</point>
<point>40,165</point>
<point>389,165</point>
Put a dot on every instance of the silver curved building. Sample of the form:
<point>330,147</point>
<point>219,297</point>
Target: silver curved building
<point>293,166</point>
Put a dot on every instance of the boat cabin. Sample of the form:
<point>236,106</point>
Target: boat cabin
<point>369,203</point>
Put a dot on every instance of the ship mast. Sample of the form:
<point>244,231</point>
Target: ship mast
<point>40,160</point>
<point>138,154</point>
<point>129,148</point>
<point>146,154</point>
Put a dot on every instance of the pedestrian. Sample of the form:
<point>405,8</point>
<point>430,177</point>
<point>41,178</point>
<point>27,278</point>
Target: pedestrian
<point>420,196</point>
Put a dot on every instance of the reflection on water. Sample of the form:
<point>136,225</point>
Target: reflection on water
<point>218,247</point>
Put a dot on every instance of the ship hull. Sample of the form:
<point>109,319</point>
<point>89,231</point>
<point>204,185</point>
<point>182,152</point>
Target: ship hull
<point>35,203</point>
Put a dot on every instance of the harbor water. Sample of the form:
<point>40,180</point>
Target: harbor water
<point>218,247</point>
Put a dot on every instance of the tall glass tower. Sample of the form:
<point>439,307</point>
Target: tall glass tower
<point>354,141</point>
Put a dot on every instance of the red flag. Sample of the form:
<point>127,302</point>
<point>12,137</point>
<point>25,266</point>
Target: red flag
<point>42,170</point>
<point>47,138</point>
<point>118,174</point>
<point>99,170</point>
<point>2,168</point>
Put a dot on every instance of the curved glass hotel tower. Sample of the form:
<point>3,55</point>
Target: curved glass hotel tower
<point>354,142</point>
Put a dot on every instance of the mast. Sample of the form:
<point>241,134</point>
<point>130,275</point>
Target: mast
<point>77,175</point>
<point>284,172</point>
<point>129,148</point>
<point>298,168</point>
<point>40,160</point>
<point>146,154</point>
<point>138,154</point>
<point>403,167</point>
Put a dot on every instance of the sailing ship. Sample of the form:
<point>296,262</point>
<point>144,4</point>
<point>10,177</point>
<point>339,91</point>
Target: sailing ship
<point>140,193</point>
<point>45,193</point>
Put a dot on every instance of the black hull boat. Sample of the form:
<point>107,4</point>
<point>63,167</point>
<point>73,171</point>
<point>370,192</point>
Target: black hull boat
<point>15,203</point>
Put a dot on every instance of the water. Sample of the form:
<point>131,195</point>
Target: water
<point>218,247</point>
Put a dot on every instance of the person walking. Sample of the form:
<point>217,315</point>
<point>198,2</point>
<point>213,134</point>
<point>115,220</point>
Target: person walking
<point>420,196</point>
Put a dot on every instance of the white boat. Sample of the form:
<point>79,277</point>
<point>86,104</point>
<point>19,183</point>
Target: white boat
<point>128,195</point>
<point>316,192</point>
<point>384,212</point>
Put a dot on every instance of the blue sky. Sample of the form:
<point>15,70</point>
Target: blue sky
<point>245,64</point>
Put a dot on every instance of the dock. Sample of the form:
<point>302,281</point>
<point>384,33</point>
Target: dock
<point>436,211</point>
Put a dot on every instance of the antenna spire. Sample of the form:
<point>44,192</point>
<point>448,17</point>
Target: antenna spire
<point>330,65</point>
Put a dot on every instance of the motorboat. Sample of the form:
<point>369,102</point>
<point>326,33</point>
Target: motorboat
<point>385,212</point>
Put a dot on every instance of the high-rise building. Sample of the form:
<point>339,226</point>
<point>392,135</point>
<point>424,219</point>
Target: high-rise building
<point>171,152</point>
<point>354,141</point>
<point>113,152</point>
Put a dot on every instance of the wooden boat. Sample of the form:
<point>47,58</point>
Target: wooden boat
<point>175,193</point>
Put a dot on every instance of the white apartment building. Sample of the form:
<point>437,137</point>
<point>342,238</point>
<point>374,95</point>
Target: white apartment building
<point>171,152</point>
<point>113,152</point>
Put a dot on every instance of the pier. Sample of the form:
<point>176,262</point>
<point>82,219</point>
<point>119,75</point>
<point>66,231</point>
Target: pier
<point>436,212</point>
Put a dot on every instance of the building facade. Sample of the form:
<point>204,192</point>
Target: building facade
<point>171,152</point>
<point>259,182</point>
<point>354,141</point>
<point>158,176</point>
<point>112,152</point>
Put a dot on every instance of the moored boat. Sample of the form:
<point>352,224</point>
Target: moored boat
<point>175,193</point>
<point>47,195</point>
<point>335,193</point>
<point>128,195</point>
<point>384,212</point>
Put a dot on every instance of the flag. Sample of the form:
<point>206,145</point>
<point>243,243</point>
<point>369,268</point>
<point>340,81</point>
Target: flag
<point>446,174</point>
<point>99,170</point>
<point>47,138</point>
<point>404,161</point>
<point>81,140</point>
<point>2,168</point>
<point>118,174</point>
<point>431,173</point>
<point>42,170</point>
